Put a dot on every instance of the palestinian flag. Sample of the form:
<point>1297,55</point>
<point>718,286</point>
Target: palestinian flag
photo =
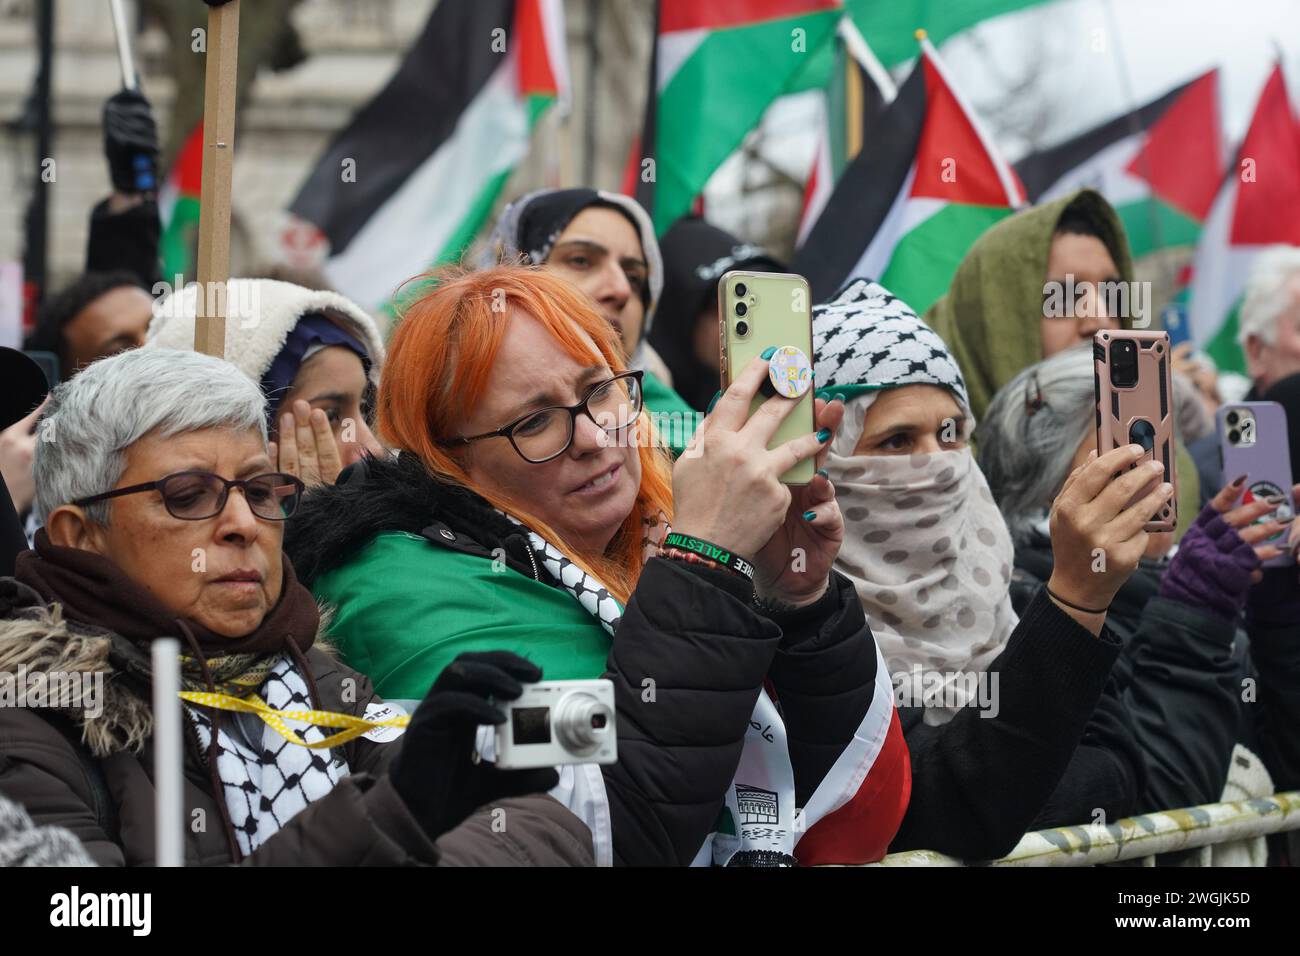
<point>1257,206</point>
<point>716,67</point>
<point>178,205</point>
<point>859,90</point>
<point>910,205</point>
<point>1159,166</point>
<point>408,184</point>
<point>890,25</point>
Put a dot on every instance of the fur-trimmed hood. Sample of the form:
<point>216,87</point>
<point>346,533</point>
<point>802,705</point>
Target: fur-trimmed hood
<point>262,313</point>
<point>334,522</point>
<point>35,638</point>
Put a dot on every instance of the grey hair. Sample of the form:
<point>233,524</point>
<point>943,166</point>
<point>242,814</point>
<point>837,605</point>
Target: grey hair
<point>1267,296</point>
<point>1026,457</point>
<point>92,419</point>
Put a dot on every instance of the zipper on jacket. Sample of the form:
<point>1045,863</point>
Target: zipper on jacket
<point>532,560</point>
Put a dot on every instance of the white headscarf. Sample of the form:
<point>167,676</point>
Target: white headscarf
<point>925,545</point>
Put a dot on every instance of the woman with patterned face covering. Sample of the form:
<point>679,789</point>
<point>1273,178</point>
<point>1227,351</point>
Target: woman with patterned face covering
<point>994,709</point>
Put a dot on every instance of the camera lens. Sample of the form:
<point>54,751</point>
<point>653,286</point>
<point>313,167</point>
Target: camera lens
<point>1233,418</point>
<point>741,308</point>
<point>1234,436</point>
<point>742,328</point>
<point>741,289</point>
<point>580,722</point>
<point>1123,364</point>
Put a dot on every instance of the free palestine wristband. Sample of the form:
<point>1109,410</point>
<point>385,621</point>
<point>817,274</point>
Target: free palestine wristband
<point>727,559</point>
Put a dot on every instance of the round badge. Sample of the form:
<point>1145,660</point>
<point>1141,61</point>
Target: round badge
<point>790,371</point>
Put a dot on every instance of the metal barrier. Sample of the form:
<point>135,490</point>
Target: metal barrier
<point>1135,838</point>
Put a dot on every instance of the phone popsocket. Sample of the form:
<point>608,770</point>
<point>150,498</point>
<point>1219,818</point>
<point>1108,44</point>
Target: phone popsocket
<point>789,372</point>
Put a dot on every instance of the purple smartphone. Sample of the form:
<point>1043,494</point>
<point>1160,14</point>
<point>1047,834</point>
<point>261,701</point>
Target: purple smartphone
<point>1253,442</point>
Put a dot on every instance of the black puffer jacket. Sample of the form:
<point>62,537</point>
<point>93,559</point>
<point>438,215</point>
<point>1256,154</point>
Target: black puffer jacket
<point>691,629</point>
<point>1178,680</point>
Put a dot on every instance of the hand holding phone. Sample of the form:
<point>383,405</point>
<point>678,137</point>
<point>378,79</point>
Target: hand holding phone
<point>1253,447</point>
<point>727,486</point>
<point>766,314</point>
<point>1135,405</point>
<point>1097,529</point>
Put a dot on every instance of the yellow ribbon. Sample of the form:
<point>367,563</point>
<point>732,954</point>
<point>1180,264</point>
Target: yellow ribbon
<point>353,726</point>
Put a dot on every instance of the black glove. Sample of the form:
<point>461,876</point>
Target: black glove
<point>131,142</point>
<point>433,773</point>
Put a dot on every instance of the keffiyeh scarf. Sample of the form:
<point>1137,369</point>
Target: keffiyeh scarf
<point>266,780</point>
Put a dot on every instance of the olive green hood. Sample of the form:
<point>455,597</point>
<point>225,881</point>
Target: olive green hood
<point>990,318</point>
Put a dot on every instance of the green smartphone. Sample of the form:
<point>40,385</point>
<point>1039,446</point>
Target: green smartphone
<point>758,311</point>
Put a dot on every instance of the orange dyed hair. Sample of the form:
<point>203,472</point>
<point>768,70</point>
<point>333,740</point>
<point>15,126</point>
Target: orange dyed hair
<point>439,362</point>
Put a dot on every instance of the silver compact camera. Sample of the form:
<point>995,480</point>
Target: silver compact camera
<point>557,722</point>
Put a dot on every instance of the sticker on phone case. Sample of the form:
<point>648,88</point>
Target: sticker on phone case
<point>1260,490</point>
<point>790,371</point>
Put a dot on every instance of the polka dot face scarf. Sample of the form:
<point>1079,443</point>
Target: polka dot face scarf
<point>931,558</point>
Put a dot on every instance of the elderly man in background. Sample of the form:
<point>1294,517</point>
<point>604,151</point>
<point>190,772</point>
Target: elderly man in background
<point>1269,322</point>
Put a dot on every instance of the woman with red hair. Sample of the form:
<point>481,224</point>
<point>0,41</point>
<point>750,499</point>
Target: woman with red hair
<point>528,510</point>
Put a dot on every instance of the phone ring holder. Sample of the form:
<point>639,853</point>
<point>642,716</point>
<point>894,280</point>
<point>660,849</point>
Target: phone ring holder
<point>789,372</point>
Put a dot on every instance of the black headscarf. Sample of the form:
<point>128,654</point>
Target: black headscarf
<point>531,225</point>
<point>696,255</point>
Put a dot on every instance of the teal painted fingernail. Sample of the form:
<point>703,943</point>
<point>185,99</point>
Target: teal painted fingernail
<point>824,435</point>
<point>809,515</point>
<point>712,402</point>
<point>837,397</point>
<point>769,352</point>
<point>824,473</point>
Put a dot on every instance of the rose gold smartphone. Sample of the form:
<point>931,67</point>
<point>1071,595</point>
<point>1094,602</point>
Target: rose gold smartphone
<point>1135,405</point>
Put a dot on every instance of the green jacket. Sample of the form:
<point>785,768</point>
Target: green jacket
<point>434,604</point>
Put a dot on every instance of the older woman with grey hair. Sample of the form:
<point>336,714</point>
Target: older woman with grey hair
<point>164,517</point>
<point>1178,619</point>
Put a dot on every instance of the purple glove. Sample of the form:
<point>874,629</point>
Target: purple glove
<point>1212,568</point>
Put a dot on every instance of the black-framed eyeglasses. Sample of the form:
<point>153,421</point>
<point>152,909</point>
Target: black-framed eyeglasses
<point>547,433</point>
<point>196,495</point>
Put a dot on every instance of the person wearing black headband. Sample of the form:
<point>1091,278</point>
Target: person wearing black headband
<point>696,255</point>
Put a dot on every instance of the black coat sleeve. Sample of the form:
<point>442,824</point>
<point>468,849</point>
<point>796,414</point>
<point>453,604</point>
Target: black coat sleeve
<point>1182,687</point>
<point>1274,713</point>
<point>688,663</point>
<point>979,780</point>
<point>1104,779</point>
<point>126,240</point>
<point>824,676</point>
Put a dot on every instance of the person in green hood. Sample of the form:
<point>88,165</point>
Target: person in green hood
<point>1038,283</point>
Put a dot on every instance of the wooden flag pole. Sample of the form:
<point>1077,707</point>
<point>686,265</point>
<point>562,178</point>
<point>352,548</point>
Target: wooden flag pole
<point>218,162</point>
